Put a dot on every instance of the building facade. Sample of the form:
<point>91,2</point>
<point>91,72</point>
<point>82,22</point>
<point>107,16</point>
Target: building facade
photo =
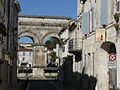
<point>71,56</point>
<point>96,54</point>
<point>100,35</point>
<point>43,31</point>
<point>9,10</point>
<point>25,60</point>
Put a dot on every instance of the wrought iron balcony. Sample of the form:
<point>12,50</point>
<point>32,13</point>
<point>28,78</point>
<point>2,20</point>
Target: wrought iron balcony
<point>75,45</point>
<point>25,70</point>
<point>51,70</point>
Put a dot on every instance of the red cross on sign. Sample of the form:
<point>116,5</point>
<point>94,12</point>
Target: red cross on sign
<point>112,56</point>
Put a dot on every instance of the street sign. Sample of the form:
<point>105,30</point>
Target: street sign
<point>112,56</point>
<point>100,34</point>
<point>112,64</point>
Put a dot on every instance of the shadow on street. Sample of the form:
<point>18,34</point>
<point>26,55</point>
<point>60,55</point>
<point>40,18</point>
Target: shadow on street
<point>39,85</point>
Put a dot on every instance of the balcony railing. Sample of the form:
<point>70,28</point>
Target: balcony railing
<point>75,44</point>
<point>25,70</point>
<point>51,70</point>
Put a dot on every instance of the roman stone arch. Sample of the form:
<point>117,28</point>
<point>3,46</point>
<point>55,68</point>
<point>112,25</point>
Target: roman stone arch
<point>48,35</point>
<point>31,35</point>
<point>39,29</point>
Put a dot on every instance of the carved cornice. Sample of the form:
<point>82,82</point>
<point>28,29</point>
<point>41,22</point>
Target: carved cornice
<point>41,24</point>
<point>38,28</point>
<point>46,17</point>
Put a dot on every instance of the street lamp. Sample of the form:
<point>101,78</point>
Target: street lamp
<point>82,1</point>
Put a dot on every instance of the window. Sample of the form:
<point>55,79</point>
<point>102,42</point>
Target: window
<point>18,62</point>
<point>23,53</point>
<point>29,53</point>
<point>92,20</point>
<point>23,59</point>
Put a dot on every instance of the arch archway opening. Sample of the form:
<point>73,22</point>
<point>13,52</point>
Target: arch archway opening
<point>51,42</point>
<point>26,39</point>
<point>109,47</point>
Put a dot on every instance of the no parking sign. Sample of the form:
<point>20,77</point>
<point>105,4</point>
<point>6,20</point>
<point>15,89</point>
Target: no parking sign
<point>112,61</point>
<point>112,56</point>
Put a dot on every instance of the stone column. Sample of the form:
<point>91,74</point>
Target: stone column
<point>57,54</point>
<point>45,56</point>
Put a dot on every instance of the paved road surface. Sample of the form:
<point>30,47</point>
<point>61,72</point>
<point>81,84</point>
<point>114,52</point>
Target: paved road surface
<point>43,85</point>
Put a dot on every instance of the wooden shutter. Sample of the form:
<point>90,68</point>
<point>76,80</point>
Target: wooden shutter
<point>93,20</point>
<point>118,5</point>
<point>104,12</point>
<point>85,23</point>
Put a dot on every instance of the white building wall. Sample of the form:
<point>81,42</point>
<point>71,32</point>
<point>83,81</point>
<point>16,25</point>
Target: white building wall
<point>65,36</point>
<point>26,55</point>
<point>118,63</point>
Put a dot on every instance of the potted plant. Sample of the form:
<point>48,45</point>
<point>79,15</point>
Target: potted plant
<point>116,17</point>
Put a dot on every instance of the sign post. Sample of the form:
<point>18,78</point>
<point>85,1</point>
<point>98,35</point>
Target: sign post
<point>112,61</point>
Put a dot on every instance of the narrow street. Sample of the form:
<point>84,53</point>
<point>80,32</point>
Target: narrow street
<point>59,44</point>
<point>42,85</point>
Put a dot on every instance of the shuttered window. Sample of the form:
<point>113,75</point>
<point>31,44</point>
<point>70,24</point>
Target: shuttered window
<point>85,23</point>
<point>104,12</point>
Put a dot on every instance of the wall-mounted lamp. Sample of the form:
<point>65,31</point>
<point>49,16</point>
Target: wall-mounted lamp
<point>82,1</point>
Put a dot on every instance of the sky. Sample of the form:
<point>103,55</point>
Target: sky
<point>48,8</point>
